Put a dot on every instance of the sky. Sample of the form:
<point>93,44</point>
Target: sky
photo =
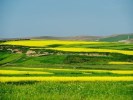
<point>28,18</point>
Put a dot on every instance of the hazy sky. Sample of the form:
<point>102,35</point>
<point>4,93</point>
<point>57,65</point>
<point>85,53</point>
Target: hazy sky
<point>22,18</point>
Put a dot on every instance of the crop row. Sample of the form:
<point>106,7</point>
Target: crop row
<point>105,78</point>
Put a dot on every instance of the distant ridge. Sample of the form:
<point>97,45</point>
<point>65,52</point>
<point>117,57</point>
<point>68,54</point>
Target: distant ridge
<point>89,38</point>
<point>118,38</point>
<point>84,38</point>
<point>111,38</point>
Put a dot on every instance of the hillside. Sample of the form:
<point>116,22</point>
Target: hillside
<point>118,38</point>
<point>113,38</point>
<point>90,38</point>
<point>59,68</point>
<point>86,38</point>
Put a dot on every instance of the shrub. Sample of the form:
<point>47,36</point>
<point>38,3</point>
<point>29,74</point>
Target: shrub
<point>75,59</point>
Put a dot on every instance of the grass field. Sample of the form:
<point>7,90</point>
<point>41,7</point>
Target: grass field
<point>64,84</point>
<point>65,70</point>
<point>67,91</point>
<point>117,38</point>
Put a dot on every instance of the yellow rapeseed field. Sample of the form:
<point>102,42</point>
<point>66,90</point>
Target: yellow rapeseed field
<point>120,63</point>
<point>22,72</point>
<point>110,71</point>
<point>93,50</point>
<point>57,69</point>
<point>93,78</point>
<point>41,43</point>
<point>98,71</point>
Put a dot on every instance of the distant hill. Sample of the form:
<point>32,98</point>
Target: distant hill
<point>89,38</point>
<point>113,38</point>
<point>118,38</point>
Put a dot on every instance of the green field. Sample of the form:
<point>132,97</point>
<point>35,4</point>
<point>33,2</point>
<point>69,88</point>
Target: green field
<point>67,91</point>
<point>47,70</point>
<point>117,38</point>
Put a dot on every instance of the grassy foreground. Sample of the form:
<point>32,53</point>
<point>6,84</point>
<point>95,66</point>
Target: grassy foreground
<point>66,91</point>
<point>26,83</point>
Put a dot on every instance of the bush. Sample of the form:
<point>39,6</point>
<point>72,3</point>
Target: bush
<point>75,59</point>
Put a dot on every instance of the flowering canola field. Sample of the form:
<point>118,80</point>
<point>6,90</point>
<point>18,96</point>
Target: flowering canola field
<point>22,72</point>
<point>42,43</point>
<point>127,75</point>
<point>120,63</point>
<point>93,50</point>
<point>45,43</point>
<point>17,74</point>
<point>16,79</point>
<point>52,70</point>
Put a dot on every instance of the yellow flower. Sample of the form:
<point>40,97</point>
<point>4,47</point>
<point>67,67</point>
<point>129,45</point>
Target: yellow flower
<point>41,43</point>
<point>92,78</point>
<point>22,72</point>
<point>64,70</point>
<point>93,50</point>
<point>120,62</point>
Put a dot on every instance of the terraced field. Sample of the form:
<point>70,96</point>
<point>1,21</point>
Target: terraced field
<point>65,70</point>
<point>12,74</point>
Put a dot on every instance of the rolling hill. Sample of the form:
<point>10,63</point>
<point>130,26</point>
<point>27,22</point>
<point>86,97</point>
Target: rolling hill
<point>89,38</point>
<point>113,38</point>
<point>118,38</point>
